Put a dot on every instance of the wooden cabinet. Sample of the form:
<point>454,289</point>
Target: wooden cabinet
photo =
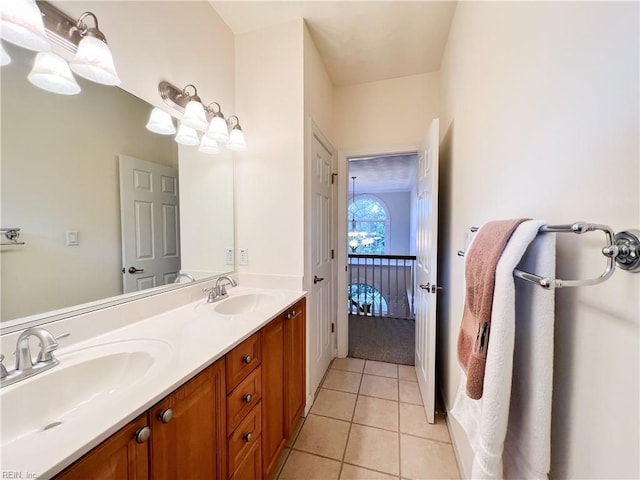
<point>188,430</point>
<point>284,381</point>
<point>230,421</point>
<point>122,456</point>
<point>186,438</point>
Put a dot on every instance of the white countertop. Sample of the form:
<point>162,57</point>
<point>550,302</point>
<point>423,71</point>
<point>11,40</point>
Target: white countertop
<point>188,340</point>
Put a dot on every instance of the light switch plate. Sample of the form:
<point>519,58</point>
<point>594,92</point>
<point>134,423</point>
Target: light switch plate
<point>244,257</point>
<point>72,238</point>
<point>229,256</point>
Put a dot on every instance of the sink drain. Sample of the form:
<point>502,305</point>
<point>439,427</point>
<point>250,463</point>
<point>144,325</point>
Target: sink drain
<point>51,425</point>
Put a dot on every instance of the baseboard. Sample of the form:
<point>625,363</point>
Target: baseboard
<point>458,439</point>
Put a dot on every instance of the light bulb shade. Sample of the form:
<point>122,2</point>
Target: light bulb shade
<point>218,130</point>
<point>94,62</point>
<point>236,141</point>
<point>160,122</point>
<point>21,24</point>
<point>194,116</point>
<point>208,146</point>
<point>187,136</point>
<point>50,72</point>
<point>5,59</point>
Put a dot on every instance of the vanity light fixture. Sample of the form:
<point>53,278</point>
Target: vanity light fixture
<point>209,119</point>
<point>218,128</point>
<point>236,137</point>
<point>51,73</point>
<point>209,146</point>
<point>21,24</point>
<point>160,122</point>
<point>187,136</point>
<point>93,59</point>
<point>5,59</point>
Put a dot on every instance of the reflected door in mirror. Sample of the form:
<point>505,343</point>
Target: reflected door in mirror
<point>150,224</point>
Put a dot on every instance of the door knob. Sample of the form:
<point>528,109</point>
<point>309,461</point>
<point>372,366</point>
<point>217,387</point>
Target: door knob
<point>135,270</point>
<point>317,279</point>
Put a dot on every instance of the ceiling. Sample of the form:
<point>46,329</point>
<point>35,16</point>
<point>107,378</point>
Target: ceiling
<point>359,41</point>
<point>394,173</point>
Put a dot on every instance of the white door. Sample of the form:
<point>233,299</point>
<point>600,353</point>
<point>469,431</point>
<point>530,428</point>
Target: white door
<point>149,224</point>
<point>321,312</point>
<point>426,268</point>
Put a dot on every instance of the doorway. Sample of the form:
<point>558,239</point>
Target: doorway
<point>381,227</point>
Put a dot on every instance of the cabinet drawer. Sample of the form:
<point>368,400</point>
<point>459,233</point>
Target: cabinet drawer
<point>251,466</point>
<point>243,399</point>
<point>241,360</point>
<point>243,438</point>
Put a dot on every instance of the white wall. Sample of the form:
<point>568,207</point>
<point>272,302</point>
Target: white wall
<point>539,119</point>
<point>385,113</point>
<point>270,174</point>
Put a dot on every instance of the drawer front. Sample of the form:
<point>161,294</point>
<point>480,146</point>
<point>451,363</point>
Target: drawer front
<point>243,438</point>
<point>241,360</point>
<point>251,466</point>
<point>243,398</point>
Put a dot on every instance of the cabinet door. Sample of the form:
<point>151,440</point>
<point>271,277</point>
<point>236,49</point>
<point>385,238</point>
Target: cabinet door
<point>273,385</point>
<point>188,428</point>
<point>117,458</point>
<point>295,365</point>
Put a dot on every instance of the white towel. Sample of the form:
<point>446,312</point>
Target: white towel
<point>516,445</point>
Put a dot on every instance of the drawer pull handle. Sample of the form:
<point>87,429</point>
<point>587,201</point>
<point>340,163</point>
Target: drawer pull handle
<point>166,415</point>
<point>247,398</point>
<point>142,434</point>
<point>247,359</point>
<point>247,437</point>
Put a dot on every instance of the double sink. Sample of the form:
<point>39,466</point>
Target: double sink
<point>97,375</point>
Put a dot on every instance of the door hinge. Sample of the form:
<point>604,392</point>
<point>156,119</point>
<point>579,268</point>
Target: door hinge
<point>333,327</point>
<point>333,178</point>
<point>333,253</point>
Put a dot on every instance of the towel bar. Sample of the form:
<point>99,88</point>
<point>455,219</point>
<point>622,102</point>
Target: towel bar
<point>622,250</point>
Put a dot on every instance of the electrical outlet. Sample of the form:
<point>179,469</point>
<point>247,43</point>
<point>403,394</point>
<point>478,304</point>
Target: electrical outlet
<point>244,257</point>
<point>229,256</point>
<point>73,238</point>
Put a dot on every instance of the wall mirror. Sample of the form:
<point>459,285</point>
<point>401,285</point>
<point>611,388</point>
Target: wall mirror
<point>60,185</point>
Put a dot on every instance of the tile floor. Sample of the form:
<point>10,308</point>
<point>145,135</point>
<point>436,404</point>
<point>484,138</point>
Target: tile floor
<point>368,422</point>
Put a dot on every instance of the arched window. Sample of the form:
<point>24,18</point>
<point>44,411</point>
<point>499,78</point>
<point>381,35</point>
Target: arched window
<point>368,226</point>
<point>366,300</point>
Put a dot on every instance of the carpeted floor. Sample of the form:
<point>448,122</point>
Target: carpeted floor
<point>383,339</point>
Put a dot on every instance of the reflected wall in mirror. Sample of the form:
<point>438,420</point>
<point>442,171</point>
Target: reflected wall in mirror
<point>59,174</point>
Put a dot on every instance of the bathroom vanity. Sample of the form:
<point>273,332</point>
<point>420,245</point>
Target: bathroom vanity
<point>226,393</point>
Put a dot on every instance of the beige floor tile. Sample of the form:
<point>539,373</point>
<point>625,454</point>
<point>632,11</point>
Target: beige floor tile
<point>303,466</point>
<point>332,403</point>
<point>410,393</point>
<point>383,369</point>
<point>323,436</point>
<point>426,459</point>
<point>377,412</point>
<point>349,364</point>
<point>351,472</point>
<point>373,448</point>
<point>413,420</point>
<point>343,381</point>
<point>380,387</point>
<point>407,372</point>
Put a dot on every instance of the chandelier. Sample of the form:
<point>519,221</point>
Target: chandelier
<point>358,238</point>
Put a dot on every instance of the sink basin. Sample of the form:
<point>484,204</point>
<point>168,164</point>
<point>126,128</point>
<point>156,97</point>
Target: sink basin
<point>91,375</point>
<point>244,303</point>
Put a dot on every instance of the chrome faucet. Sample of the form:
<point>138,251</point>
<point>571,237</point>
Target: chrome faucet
<point>25,367</point>
<point>182,274</point>
<point>219,292</point>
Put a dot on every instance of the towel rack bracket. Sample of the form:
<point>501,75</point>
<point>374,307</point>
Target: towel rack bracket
<point>626,250</point>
